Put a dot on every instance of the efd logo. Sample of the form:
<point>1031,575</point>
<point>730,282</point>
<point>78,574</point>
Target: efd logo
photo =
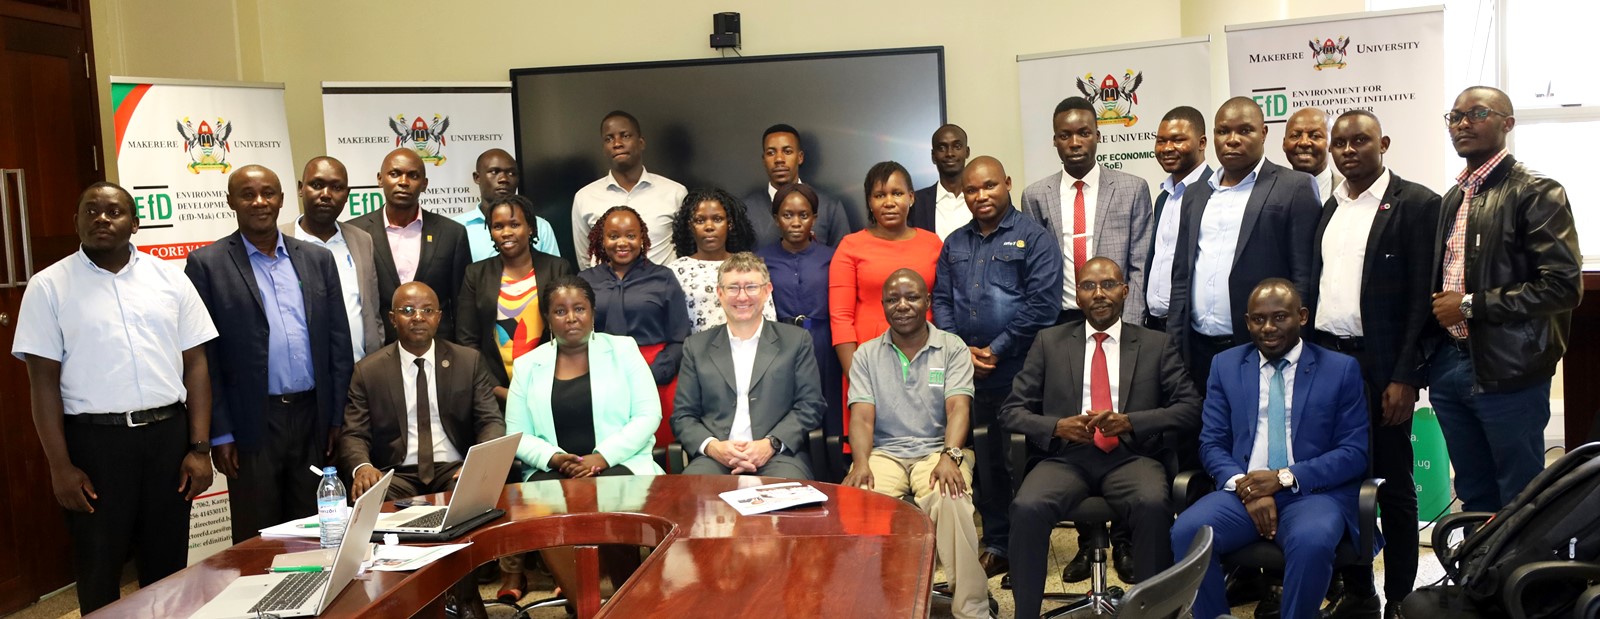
<point>207,150</point>
<point>1116,101</point>
<point>427,141</point>
<point>1329,55</point>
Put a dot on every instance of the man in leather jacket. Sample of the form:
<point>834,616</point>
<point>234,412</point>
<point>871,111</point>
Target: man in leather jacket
<point>1508,274</point>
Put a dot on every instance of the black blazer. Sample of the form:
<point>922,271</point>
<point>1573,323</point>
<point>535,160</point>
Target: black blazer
<point>237,358</point>
<point>922,213</point>
<point>1276,239</point>
<point>1155,222</point>
<point>444,259</point>
<point>1153,390</point>
<point>1396,299</point>
<point>480,300</point>
<point>831,225</point>
<point>375,429</point>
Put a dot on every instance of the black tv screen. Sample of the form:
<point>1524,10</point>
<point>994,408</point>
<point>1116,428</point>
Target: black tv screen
<point>703,119</point>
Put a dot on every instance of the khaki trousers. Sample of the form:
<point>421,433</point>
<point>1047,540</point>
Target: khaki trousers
<point>955,535</point>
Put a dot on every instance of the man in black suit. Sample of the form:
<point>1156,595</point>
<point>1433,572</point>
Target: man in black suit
<point>1253,221</point>
<point>280,365</point>
<point>409,243</point>
<point>1374,252</point>
<point>781,156</point>
<point>1098,409</point>
<point>940,208</point>
<point>1181,152</point>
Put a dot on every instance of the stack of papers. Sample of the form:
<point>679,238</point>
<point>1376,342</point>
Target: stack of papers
<point>302,527</point>
<point>771,497</point>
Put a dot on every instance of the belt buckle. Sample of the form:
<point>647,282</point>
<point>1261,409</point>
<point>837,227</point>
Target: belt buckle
<point>128,417</point>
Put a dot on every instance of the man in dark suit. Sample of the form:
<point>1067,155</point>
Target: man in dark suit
<point>1374,252</point>
<point>1284,433</point>
<point>1253,221</point>
<point>412,244</point>
<point>748,391</point>
<point>324,191</point>
<point>781,156</point>
<point>940,208</point>
<point>1181,152</point>
<point>280,365</point>
<point>382,429</point>
<point>1098,408</point>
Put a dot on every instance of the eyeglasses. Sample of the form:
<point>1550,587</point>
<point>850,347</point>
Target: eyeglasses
<point>408,311</point>
<point>1107,285</point>
<point>749,289</point>
<point>1477,114</point>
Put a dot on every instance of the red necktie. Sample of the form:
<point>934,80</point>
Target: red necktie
<point>1080,239</point>
<point>1100,384</point>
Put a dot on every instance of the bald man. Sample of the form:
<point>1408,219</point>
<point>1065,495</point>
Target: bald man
<point>940,208</point>
<point>280,365</point>
<point>410,243</point>
<point>496,176</point>
<point>1305,147</point>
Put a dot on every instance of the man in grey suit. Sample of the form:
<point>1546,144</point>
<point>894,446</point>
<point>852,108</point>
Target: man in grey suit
<point>781,155</point>
<point>748,391</point>
<point>1093,210</point>
<point>324,191</point>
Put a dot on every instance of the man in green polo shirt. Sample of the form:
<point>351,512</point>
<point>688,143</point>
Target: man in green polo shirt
<point>910,400</point>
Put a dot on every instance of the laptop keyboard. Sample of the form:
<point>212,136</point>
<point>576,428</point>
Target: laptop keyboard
<point>425,522</point>
<point>292,591</point>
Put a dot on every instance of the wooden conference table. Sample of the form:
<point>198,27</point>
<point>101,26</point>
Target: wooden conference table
<point>859,554</point>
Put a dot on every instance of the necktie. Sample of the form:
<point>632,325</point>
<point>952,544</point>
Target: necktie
<point>424,425</point>
<point>1100,385</point>
<point>1277,424</point>
<point>1080,239</point>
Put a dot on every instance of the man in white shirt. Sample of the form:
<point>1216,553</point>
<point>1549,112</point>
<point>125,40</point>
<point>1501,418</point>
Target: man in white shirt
<point>495,174</point>
<point>114,343</point>
<point>748,390</point>
<point>324,191</point>
<point>941,208</point>
<point>782,154</point>
<point>418,377</point>
<point>1305,146</point>
<point>1181,152</point>
<point>656,198</point>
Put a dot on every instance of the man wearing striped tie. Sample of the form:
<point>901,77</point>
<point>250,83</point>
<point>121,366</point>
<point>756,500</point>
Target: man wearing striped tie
<point>1284,433</point>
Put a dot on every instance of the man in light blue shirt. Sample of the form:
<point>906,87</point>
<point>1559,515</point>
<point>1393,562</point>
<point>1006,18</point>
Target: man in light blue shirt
<point>496,176</point>
<point>1181,152</point>
<point>324,190</point>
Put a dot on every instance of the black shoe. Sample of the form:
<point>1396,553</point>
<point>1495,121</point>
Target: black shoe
<point>1391,609</point>
<point>1336,588</point>
<point>1271,604</point>
<point>1352,606</point>
<point>993,564</point>
<point>1077,569</point>
<point>1122,561</point>
<point>1243,586</point>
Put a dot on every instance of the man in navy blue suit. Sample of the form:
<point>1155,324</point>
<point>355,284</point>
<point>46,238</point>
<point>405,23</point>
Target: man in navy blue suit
<point>1284,431</point>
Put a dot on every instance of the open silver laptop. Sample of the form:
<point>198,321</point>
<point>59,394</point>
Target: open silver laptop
<point>303,594</point>
<point>483,478</point>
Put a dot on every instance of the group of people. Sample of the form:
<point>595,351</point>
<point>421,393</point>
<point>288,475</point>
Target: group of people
<point>1269,325</point>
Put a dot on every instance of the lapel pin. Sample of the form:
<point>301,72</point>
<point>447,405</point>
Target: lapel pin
<point>445,363</point>
<point>430,238</point>
<point>1386,206</point>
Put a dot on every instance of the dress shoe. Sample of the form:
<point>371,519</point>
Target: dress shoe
<point>1122,561</point>
<point>1243,586</point>
<point>993,564</point>
<point>1391,609</point>
<point>1271,604</point>
<point>1077,569</point>
<point>1352,606</point>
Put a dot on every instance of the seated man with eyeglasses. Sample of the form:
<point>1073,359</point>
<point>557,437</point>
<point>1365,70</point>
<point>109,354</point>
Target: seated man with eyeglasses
<point>748,390</point>
<point>448,386</point>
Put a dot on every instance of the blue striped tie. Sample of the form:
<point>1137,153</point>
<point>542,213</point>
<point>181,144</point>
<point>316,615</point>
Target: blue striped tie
<point>1277,424</point>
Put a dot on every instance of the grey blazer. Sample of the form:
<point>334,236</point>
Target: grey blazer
<point>366,279</point>
<point>1122,225</point>
<point>785,388</point>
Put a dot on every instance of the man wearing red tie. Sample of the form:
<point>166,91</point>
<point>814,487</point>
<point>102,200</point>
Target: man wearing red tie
<point>1100,403</point>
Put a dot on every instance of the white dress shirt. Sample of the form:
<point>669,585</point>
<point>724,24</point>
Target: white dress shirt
<point>119,336</point>
<point>1326,181</point>
<point>1113,348</point>
<point>1158,284</point>
<point>349,280</point>
<point>744,364</point>
<point>1220,225</point>
<point>443,450</point>
<point>950,211</point>
<point>1344,255</point>
<point>1258,449</point>
<point>1069,195</point>
<point>655,197</point>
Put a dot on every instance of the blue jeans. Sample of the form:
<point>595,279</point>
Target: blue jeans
<point>1496,440</point>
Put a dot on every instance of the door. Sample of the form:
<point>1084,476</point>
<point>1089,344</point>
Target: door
<point>49,132</point>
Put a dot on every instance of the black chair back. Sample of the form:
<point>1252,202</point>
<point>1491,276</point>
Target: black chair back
<point>1170,594</point>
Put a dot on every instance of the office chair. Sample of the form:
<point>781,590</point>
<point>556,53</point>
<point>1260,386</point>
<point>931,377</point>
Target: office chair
<point>1170,594</point>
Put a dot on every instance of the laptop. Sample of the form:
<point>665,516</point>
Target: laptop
<point>478,488</point>
<point>303,594</point>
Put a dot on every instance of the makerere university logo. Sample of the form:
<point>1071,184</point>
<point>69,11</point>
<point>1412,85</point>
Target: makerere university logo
<point>207,148</point>
<point>427,140</point>
<point>1329,54</point>
<point>1115,100</point>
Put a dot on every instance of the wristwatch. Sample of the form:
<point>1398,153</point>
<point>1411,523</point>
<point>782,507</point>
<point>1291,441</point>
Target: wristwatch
<point>1466,305</point>
<point>956,454</point>
<point>777,445</point>
<point>201,447</point>
<point>1285,478</point>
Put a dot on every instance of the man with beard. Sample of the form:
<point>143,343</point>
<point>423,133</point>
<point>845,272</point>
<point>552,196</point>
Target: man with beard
<point>940,208</point>
<point>496,176</point>
<point>782,155</point>
<point>324,190</point>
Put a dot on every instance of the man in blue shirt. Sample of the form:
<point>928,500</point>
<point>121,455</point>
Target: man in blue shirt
<point>496,177</point>
<point>280,366</point>
<point>998,282</point>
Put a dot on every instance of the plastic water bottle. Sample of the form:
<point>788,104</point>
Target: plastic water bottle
<point>331,508</point>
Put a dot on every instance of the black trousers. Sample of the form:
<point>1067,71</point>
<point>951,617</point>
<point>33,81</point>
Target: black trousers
<point>275,484</point>
<point>407,483</point>
<point>1135,486</point>
<point>139,510</point>
<point>992,474</point>
<point>1392,460</point>
<point>1202,348</point>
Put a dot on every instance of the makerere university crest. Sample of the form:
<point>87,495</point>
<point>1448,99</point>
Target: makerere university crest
<point>1115,100</point>
<point>427,140</point>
